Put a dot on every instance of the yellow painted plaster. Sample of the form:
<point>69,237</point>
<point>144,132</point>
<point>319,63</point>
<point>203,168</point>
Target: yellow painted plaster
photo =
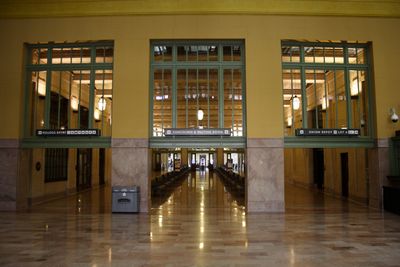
<point>262,35</point>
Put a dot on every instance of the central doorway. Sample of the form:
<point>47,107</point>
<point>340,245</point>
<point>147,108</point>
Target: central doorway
<point>212,179</point>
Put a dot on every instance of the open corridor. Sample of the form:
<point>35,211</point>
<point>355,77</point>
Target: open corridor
<point>200,224</point>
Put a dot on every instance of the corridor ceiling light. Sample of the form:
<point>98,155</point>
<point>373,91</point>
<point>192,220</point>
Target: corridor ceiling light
<point>296,102</point>
<point>101,104</point>
<point>74,104</point>
<point>200,115</point>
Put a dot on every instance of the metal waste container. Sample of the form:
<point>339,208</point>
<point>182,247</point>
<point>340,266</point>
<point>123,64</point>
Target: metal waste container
<point>125,198</point>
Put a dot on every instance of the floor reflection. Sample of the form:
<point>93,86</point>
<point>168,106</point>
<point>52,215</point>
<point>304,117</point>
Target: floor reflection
<point>201,191</point>
<point>200,224</point>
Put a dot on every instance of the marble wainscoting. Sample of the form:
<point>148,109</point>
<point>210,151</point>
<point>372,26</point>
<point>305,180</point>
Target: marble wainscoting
<point>378,162</point>
<point>265,175</point>
<point>130,166</point>
<point>9,151</point>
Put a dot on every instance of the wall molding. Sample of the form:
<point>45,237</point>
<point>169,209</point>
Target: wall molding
<point>79,8</point>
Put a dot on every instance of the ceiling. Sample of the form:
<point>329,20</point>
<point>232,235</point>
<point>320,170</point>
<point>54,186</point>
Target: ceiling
<point>76,8</point>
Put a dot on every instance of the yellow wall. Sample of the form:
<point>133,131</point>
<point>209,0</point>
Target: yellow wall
<point>299,170</point>
<point>262,35</point>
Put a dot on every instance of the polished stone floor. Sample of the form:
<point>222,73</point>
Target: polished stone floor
<point>200,224</point>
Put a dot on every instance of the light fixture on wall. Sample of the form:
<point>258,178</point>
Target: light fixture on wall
<point>74,104</point>
<point>296,102</point>
<point>41,90</point>
<point>324,103</point>
<point>101,104</point>
<point>200,115</point>
<point>289,122</point>
<point>96,115</point>
<point>393,116</point>
<point>355,89</point>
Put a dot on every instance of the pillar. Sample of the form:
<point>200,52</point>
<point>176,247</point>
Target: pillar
<point>131,166</point>
<point>265,175</point>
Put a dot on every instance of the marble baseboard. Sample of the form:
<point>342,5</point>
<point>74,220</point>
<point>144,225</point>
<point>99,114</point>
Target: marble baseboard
<point>265,172</point>
<point>9,151</point>
<point>130,166</point>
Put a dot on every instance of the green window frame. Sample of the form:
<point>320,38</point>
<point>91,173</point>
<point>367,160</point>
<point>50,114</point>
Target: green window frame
<point>188,76</point>
<point>68,86</point>
<point>327,85</point>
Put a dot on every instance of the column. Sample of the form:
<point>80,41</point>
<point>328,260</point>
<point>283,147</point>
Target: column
<point>265,175</point>
<point>131,166</point>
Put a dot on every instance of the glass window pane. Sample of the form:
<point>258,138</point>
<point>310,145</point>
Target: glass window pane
<point>292,100</point>
<point>192,98</point>
<point>352,54</point>
<point>361,57</point>
<point>35,56</point>
<point>319,54</point>
<point>290,54</point>
<point>228,99</point>
<point>66,56</point>
<point>341,105</point>
<point>339,55</point>
<point>162,53</point>
<point>168,53</point>
<point>203,97</point>
<point>309,54</point>
<point>182,98</point>
<point>192,53</point>
<point>162,101</point>
<point>227,53</point>
<point>56,56</point>
<point>315,90</point>
<point>104,54</point>
<point>86,55</point>
<point>237,103</point>
<point>103,101</point>
<point>182,51</point>
<point>43,55</point>
<point>202,50</point>
<point>37,100</point>
<point>158,53</point>
<point>237,55</point>
<point>359,100</point>
<point>157,103</point>
<point>213,53</point>
<point>59,101</point>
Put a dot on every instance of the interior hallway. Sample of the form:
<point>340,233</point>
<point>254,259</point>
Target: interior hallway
<point>200,224</point>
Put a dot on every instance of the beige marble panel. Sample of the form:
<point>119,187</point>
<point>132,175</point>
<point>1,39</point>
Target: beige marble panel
<point>9,149</point>
<point>265,175</point>
<point>130,166</point>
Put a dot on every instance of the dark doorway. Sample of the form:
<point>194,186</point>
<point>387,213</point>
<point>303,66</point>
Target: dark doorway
<point>102,166</point>
<point>344,163</point>
<point>83,168</point>
<point>319,168</point>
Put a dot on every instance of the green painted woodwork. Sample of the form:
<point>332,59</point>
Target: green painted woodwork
<point>346,67</point>
<point>29,139</point>
<point>174,65</point>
